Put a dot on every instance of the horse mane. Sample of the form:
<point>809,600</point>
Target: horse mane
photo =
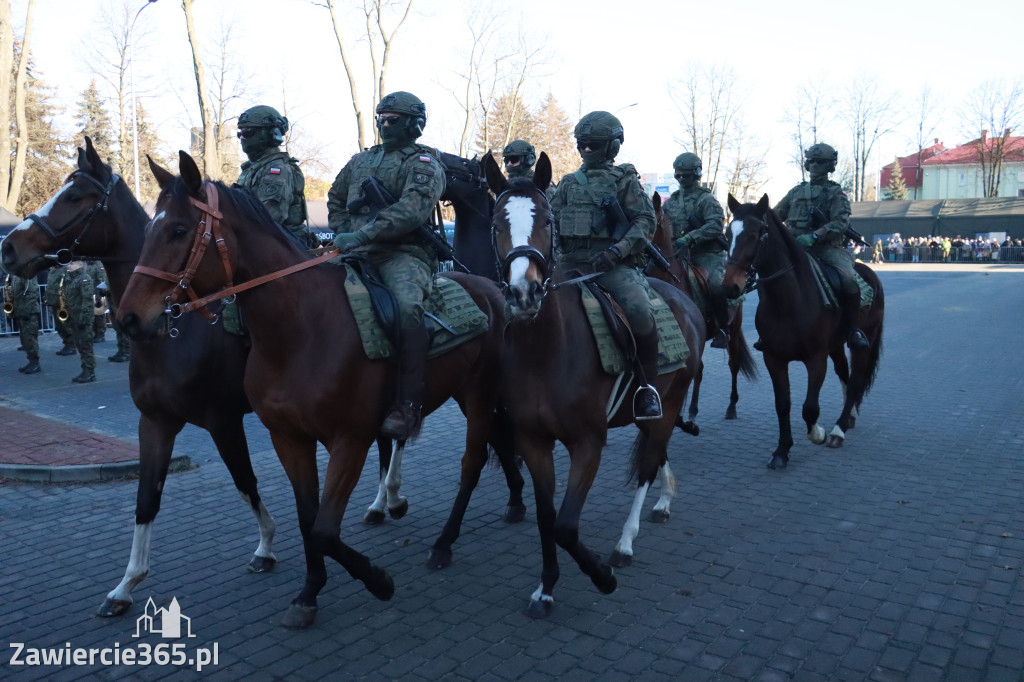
<point>793,251</point>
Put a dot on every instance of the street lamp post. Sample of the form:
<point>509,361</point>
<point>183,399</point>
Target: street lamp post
<point>131,78</point>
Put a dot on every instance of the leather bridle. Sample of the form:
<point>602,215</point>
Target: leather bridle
<point>65,256</point>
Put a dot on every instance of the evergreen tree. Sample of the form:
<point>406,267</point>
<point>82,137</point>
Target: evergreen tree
<point>508,119</point>
<point>149,145</point>
<point>553,130</point>
<point>93,120</point>
<point>897,186</point>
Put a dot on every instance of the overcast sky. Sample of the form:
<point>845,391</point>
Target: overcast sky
<point>600,54</point>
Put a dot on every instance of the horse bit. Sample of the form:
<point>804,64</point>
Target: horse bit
<point>753,279</point>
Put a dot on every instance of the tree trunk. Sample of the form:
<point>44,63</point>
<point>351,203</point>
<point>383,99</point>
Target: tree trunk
<point>6,62</point>
<point>20,88</point>
<point>360,134</point>
<point>211,164</point>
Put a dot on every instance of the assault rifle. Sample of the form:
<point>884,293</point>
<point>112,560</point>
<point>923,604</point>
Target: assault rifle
<point>818,218</point>
<point>614,214</point>
<point>376,195</point>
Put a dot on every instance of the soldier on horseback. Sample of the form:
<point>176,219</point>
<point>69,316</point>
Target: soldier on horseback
<point>592,239</point>
<point>818,215</point>
<point>519,157</point>
<point>699,222</point>
<point>272,175</point>
<point>387,237</point>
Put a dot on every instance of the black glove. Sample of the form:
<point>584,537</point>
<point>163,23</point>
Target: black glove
<point>606,260</point>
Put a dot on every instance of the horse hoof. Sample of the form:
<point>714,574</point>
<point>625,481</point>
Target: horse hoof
<point>539,608</point>
<point>380,584</point>
<point>690,428</point>
<point>660,516</point>
<point>515,513</point>
<point>816,435</point>
<point>299,617</point>
<point>399,511</point>
<point>113,607</point>
<point>439,558</point>
<point>620,560</point>
<point>730,413</point>
<point>778,462</point>
<point>834,442</point>
<point>374,518</point>
<point>605,582</point>
<point>262,564</point>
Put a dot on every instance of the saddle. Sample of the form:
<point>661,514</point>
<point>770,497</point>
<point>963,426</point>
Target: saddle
<point>829,282</point>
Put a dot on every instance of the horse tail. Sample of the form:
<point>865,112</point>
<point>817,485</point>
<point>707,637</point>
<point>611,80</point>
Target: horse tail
<point>877,308</point>
<point>643,463</point>
<point>740,351</point>
<point>873,357</point>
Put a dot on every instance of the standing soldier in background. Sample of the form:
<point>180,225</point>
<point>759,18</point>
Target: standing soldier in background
<point>78,292</point>
<point>21,301</point>
<point>57,302</point>
<point>270,174</point>
<point>818,215</point>
<point>388,237</point>
<point>698,224</point>
<point>99,320</point>
<point>519,157</point>
<point>593,241</point>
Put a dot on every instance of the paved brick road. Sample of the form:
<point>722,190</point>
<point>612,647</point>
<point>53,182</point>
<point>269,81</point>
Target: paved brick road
<point>899,557</point>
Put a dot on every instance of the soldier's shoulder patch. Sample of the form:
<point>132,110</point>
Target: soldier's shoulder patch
<point>421,178</point>
<point>425,158</point>
<point>274,171</point>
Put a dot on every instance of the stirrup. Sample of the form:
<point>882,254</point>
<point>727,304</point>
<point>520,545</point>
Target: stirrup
<point>857,340</point>
<point>721,339</point>
<point>646,403</point>
<point>403,421</point>
<point>759,345</point>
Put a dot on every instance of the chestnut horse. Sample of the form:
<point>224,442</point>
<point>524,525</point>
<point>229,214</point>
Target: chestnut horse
<point>740,360</point>
<point>555,387</point>
<point>195,379</point>
<point>314,383</point>
<point>796,326</point>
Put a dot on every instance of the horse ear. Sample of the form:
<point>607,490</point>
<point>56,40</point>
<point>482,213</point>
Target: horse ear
<point>763,204</point>
<point>496,180</point>
<point>656,200</point>
<point>83,163</point>
<point>542,172</point>
<point>95,163</point>
<point>733,204</point>
<point>163,176</point>
<point>190,173</point>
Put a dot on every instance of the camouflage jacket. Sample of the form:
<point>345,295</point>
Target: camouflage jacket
<point>54,277</point>
<point>24,294</point>
<point>99,276</point>
<point>78,292</point>
<point>413,176</point>
<point>702,209</point>
<point>583,230</point>
<point>277,181</point>
<point>829,198</point>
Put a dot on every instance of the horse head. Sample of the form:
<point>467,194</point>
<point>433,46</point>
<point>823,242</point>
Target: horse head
<point>746,234</point>
<point>523,234</point>
<point>174,262</point>
<point>61,230</point>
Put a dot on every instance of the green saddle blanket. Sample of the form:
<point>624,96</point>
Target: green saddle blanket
<point>831,300</point>
<point>672,348</point>
<point>452,317</point>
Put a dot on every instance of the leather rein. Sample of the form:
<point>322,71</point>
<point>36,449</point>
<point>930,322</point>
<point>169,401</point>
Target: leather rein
<point>207,230</point>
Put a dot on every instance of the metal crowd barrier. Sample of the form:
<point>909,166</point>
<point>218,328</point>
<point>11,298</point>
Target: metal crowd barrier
<point>926,254</point>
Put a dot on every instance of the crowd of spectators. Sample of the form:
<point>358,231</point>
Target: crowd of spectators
<point>958,249</point>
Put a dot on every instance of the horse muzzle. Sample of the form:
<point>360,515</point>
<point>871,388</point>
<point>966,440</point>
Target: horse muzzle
<point>524,299</point>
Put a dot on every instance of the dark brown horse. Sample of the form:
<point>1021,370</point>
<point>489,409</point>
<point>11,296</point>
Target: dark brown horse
<point>195,379</point>
<point>554,385</point>
<point>466,190</point>
<point>313,383</point>
<point>796,326</point>
<point>740,360</point>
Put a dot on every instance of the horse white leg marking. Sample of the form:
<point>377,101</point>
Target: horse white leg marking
<point>838,432</point>
<point>138,564</point>
<point>853,411</point>
<point>816,435</point>
<point>632,526</point>
<point>668,489</point>
<point>393,480</point>
<point>267,528</point>
<point>539,595</point>
<point>382,495</point>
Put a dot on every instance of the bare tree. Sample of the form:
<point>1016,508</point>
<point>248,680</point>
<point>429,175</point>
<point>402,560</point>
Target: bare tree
<point>482,26</point>
<point>12,190</point>
<point>996,106</point>
<point>231,85</point>
<point>211,161</point>
<point>708,105</point>
<point>808,115</point>
<point>927,115</point>
<point>6,66</point>
<point>750,161</point>
<point>870,114</point>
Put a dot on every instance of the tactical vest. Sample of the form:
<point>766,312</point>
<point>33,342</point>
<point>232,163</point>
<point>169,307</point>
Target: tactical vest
<point>388,167</point>
<point>257,178</point>
<point>582,216</point>
<point>804,197</point>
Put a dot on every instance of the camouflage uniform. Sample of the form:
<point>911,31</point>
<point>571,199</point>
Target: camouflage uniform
<point>99,279</point>
<point>387,237</point>
<point>24,295</point>
<point>707,238</point>
<point>586,241</point>
<point>519,157</point>
<point>54,285</point>
<point>78,292</point>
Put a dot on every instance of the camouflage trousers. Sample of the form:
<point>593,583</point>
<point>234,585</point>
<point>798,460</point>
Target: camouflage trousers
<point>410,280</point>
<point>83,335</point>
<point>28,334</point>
<point>630,290</point>
<point>63,328</point>
<point>714,263</point>
<point>842,261</point>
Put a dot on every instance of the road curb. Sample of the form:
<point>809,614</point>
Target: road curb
<point>83,473</point>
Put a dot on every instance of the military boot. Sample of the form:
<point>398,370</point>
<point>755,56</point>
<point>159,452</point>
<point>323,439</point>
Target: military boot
<point>851,314</point>
<point>30,368</point>
<point>119,356</point>
<point>646,401</point>
<point>85,377</point>
<point>720,311</point>
<point>403,421</point>
<point>67,350</point>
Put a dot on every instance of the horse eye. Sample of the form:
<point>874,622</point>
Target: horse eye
<point>179,231</point>
<point>74,197</point>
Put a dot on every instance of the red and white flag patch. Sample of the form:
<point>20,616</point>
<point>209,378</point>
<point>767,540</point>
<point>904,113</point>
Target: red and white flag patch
<point>424,158</point>
<point>275,171</point>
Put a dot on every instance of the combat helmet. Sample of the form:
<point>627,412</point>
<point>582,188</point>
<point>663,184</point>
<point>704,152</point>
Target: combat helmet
<point>523,149</point>
<point>600,126</point>
<point>821,152</point>
<point>262,116</point>
<point>687,162</point>
<point>402,102</point>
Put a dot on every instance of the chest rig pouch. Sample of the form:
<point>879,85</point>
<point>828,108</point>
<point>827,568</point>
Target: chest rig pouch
<point>388,168</point>
<point>800,212</point>
<point>582,216</point>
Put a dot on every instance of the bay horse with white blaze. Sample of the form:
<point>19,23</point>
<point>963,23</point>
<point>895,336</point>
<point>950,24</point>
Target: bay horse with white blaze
<point>556,389</point>
<point>195,379</point>
<point>795,324</point>
<point>315,383</point>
